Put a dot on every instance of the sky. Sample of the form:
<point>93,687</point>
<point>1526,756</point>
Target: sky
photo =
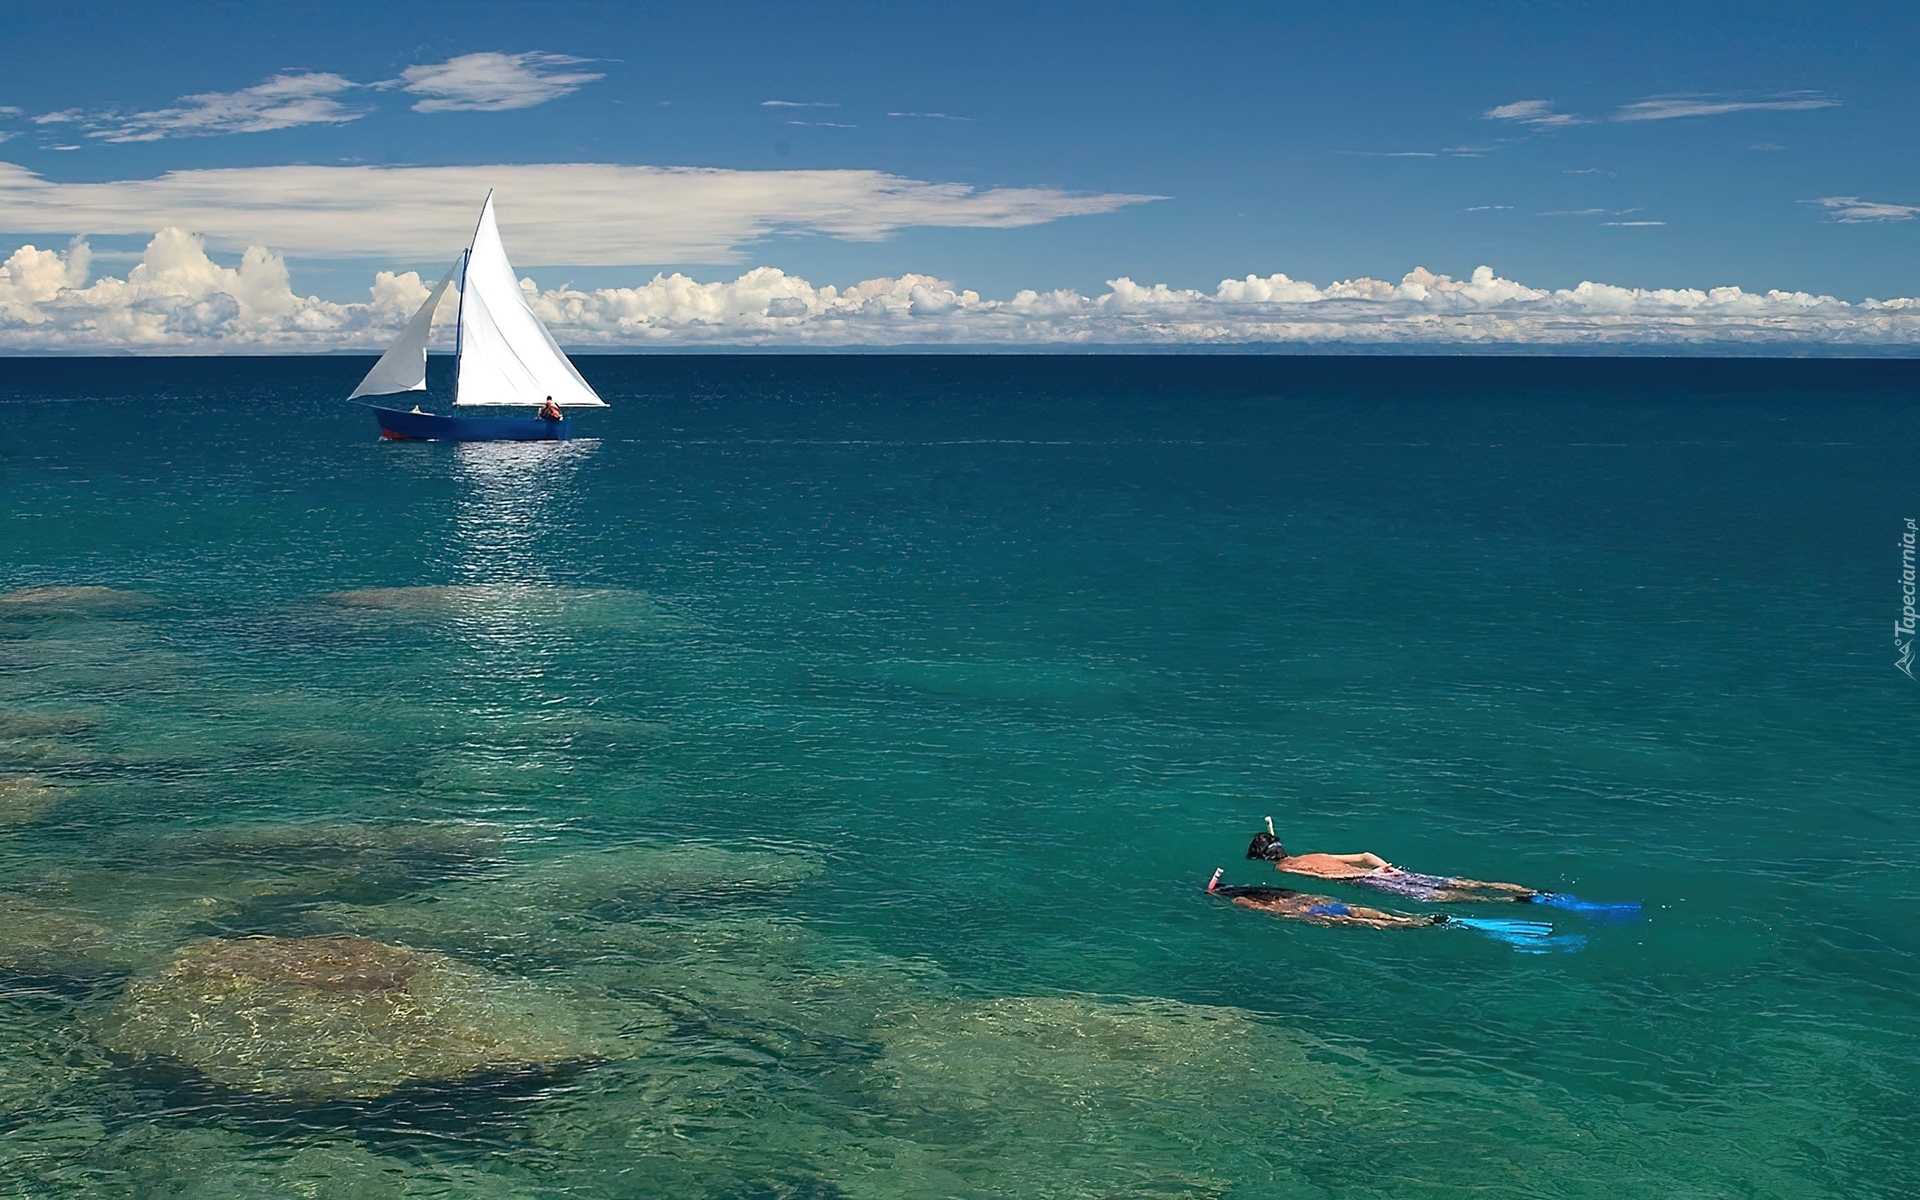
<point>297,175</point>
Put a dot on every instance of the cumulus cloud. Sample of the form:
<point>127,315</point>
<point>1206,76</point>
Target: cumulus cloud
<point>178,299</point>
<point>1531,112</point>
<point>282,102</point>
<point>1854,210</point>
<point>494,82</point>
<point>1666,108</point>
<point>566,214</point>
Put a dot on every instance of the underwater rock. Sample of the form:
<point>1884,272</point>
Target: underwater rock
<point>69,599</point>
<point>208,1161</point>
<point>1094,1097</point>
<point>342,1016</point>
<point>15,726</point>
<point>49,955</point>
<point>24,798</point>
<point>402,599</point>
<point>428,851</point>
<point>592,605</point>
<point>45,742</point>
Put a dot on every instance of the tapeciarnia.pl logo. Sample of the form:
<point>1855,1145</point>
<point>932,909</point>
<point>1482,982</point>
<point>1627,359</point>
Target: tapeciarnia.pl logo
<point>1903,628</point>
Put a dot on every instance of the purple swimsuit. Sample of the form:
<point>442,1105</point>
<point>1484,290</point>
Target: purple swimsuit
<point>1409,884</point>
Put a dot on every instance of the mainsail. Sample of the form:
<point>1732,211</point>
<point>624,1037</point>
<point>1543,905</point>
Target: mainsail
<point>507,357</point>
<point>403,368</point>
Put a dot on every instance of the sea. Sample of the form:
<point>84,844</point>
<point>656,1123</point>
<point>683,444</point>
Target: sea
<point>803,783</point>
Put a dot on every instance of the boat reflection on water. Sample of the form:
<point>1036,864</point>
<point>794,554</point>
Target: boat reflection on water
<point>513,522</point>
<point>517,497</point>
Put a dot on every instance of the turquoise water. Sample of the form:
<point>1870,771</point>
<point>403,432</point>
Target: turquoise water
<point>808,777</point>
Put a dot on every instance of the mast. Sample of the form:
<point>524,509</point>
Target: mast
<point>459,307</point>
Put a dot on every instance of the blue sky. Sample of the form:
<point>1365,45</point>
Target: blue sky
<point>1640,145</point>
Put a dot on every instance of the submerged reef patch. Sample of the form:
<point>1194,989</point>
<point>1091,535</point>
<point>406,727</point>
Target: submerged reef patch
<point>69,598</point>
<point>537,601</point>
<point>24,799</point>
<point>342,1016</point>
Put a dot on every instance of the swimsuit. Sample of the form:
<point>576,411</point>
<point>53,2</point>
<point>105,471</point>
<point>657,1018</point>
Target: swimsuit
<point>1410,884</point>
<point>1332,908</point>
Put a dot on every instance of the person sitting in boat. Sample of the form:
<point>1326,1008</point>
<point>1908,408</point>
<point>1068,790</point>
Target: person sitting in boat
<point>551,411</point>
<point>1376,873</point>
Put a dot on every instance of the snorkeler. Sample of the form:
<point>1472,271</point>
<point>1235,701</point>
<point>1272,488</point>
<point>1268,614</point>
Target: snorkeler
<point>1321,910</point>
<point>1372,871</point>
<point>1532,936</point>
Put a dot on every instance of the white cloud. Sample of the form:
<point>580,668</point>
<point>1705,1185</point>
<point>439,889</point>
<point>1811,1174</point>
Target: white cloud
<point>1853,210</point>
<point>282,102</point>
<point>930,116</point>
<point>1630,224</point>
<point>1666,108</point>
<point>493,82</point>
<point>63,117</point>
<point>177,299</point>
<point>1531,112</point>
<point>567,214</point>
<point>796,104</point>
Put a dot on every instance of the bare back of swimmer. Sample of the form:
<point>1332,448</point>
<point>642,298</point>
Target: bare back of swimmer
<point>1372,871</point>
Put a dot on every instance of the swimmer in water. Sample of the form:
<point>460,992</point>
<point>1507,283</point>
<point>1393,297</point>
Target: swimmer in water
<point>1319,910</point>
<point>1372,871</point>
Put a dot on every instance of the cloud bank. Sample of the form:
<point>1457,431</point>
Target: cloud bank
<point>179,300</point>
<point>566,214</point>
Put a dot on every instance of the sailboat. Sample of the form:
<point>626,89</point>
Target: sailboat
<point>506,358</point>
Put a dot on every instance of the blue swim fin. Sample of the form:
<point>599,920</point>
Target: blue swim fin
<point>1502,926</point>
<point>1528,937</point>
<point>1588,908</point>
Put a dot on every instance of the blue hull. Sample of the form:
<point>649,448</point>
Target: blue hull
<point>402,426</point>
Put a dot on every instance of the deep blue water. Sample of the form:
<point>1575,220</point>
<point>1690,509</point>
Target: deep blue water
<point>839,744</point>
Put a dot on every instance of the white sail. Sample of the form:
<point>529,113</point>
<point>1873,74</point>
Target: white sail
<point>403,368</point>
<point>506,354</point>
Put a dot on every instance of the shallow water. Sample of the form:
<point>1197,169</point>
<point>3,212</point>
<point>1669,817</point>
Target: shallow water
<point>830,752</point>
